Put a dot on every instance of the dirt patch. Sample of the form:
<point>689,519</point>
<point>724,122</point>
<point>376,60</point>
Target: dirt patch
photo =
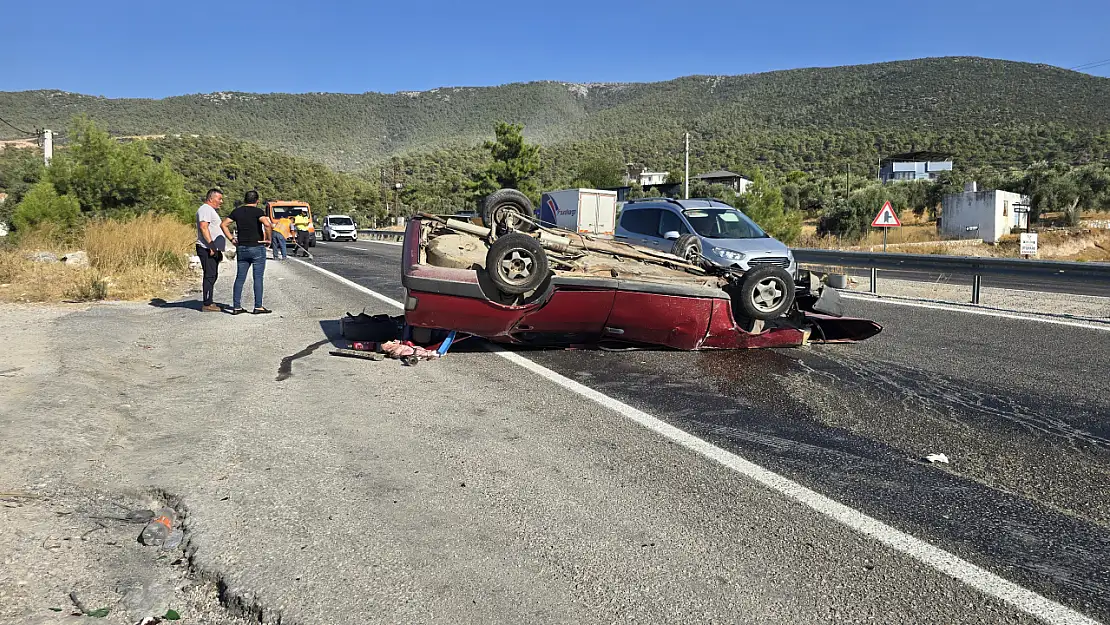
<point>70,552</point>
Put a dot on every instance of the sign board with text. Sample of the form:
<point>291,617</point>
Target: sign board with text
<point>1029,244</point>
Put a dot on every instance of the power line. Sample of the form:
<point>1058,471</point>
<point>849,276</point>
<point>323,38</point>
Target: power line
<point>26,132</point>
<point>1091,65</point>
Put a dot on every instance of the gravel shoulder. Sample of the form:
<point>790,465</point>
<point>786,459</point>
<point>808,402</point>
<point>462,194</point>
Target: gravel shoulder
<point>1064,305</point>
<point>465,490</point>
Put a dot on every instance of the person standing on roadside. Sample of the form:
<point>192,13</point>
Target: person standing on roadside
<point>300,223</point>
<point>251,238</point>
<point>210,246</point>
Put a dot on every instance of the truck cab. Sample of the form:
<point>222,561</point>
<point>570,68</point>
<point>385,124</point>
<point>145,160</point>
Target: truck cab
<point>285,210</point>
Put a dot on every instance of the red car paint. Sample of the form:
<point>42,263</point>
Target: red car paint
<point>454,299</point>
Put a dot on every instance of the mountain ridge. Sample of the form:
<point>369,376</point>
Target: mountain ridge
<point>965,102</point>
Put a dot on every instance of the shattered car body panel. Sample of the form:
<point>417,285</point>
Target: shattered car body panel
<point>599,299</point>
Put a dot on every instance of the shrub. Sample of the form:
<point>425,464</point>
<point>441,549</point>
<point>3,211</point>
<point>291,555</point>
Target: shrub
<point>42,205</point>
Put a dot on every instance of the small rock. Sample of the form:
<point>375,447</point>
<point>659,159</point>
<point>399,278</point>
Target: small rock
<point>42,257</point>
<point>76,259</point>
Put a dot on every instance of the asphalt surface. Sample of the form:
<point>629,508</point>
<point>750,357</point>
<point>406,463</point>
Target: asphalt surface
<point>1021,409</point>
<point>319,489</point>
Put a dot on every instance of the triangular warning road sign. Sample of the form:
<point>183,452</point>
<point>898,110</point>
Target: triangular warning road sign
<point>886,218</point>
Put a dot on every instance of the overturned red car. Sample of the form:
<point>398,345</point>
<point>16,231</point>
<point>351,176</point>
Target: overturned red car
<point>522,282</point>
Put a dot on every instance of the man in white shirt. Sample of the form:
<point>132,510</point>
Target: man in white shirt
<point>210,245</point>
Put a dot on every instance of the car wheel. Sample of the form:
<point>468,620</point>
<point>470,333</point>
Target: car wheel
<point>688,248</point>
<point>765,293</point>
<point>516,263</point>
<point>501,211</point>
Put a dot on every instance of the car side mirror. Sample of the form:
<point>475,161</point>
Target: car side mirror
<point>671,235</point>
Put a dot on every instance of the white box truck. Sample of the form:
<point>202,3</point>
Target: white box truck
<point>588,211</point>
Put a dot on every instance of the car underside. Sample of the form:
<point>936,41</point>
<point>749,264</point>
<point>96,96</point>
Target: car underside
<point>524,282</point>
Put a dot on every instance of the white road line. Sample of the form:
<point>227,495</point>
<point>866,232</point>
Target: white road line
<point>353,285</point>
<point>974,576</point>
<point>976,311</point>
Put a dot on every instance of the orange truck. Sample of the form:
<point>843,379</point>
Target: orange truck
<point>281,209</point>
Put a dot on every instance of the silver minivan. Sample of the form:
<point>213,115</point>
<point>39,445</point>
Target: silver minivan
<point>718,232</point>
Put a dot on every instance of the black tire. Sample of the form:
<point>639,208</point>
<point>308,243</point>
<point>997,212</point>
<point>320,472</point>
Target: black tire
<point>499,208</point>
<point>688,248</point>
<point>765,293</point>
<point>517,264</point>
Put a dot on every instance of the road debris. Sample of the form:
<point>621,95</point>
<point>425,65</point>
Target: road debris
<point>173,541</point>
<point>937,458</point>
<point>358,353</point>
<point>159,528</point>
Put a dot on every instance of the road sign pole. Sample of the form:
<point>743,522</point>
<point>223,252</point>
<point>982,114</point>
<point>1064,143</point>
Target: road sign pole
<point>884,239</point>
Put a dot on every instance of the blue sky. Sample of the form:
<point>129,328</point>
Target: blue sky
<point>156,49</point>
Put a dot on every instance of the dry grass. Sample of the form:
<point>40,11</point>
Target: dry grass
<point>139,258</point>
<point>914,230</point>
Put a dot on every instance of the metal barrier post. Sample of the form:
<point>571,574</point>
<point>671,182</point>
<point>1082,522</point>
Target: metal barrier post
<point>874,280</point>
<point>976,284</point>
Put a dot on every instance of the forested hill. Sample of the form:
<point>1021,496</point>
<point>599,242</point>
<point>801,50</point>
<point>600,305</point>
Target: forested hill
<point>982,109</point>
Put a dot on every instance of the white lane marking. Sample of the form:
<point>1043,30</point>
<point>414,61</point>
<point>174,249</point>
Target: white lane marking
<point>975,311</point>
<point>361,249</point>
<point>974,576</point>
<point>353,285</point>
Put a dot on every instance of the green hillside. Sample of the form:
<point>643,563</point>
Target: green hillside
<point>987,112</point>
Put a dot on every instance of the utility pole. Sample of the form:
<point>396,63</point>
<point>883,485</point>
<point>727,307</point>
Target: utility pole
<point>47,146</point>
<point>686,178</point>
<point>383,192</point>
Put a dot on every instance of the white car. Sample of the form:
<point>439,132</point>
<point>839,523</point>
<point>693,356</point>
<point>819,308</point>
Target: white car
<point>339,227</point>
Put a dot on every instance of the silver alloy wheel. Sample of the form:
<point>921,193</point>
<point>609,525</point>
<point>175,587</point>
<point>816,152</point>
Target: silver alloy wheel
<point>768,294</point>
<point>516,267</point>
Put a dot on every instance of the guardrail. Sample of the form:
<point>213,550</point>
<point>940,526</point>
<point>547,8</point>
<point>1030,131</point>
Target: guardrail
<point>382,235</point>
<point>976,267</point>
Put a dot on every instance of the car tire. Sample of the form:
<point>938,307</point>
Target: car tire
<point>765,293</point>
<point>516,264</point>
<point>500,207</point>
<point>688,248</point>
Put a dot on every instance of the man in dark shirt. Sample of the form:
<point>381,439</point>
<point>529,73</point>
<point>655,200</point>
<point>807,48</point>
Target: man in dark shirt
<point>252,236</point>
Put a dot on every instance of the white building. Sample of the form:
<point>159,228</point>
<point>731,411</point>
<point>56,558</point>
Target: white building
<point>652,178</point>
<point>985,215</point>
<point>736,182</point>
<point>636,173</point>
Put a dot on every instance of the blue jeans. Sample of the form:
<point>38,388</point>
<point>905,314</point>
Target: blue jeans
<point>245,258</point>
<point>279,245</point>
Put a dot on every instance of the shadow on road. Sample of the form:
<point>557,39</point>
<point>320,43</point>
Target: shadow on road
<point>187,304</point>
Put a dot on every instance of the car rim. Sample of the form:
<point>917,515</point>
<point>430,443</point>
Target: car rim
<point>768,295</point>
<point>516,267</point>
<point>691,254</point>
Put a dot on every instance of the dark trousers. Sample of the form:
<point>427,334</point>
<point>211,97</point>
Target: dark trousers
<point>251,258</point>
<point>302,241</point>
<point>211,267</point>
